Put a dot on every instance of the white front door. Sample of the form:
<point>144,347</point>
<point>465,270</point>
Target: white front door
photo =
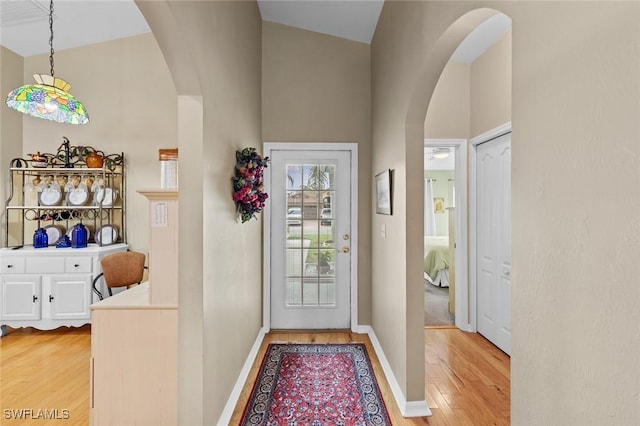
<point>310,239</point>
<point>493,224</point>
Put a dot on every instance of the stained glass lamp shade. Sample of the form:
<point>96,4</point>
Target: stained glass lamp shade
<point>49,99</point>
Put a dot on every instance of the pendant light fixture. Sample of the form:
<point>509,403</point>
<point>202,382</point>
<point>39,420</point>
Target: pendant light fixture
<point>50,98</point>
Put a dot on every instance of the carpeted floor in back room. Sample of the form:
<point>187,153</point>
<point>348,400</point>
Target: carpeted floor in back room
<point>436,306</point>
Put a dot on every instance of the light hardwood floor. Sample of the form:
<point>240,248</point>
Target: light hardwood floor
<point>45,370</point>
<point>467,377</point>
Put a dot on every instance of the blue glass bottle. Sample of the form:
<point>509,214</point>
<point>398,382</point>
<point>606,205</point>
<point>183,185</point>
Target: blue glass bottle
<point>40,238</point>
<point>79,236</point>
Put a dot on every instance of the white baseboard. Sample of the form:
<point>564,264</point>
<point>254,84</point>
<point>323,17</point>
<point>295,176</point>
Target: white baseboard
<point>225,418</point>
<point>361,329</point>
<point>407,408</point>
<point>467,328</point>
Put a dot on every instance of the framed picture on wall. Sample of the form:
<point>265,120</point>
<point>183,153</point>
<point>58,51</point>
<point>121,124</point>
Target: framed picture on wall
<point>438,205</point>
<point>383,192</point>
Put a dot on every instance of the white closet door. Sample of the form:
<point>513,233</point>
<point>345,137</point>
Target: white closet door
<point>493,219</point>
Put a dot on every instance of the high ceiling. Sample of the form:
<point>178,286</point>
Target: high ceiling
<point>24,26</point>
<point>351,19</point>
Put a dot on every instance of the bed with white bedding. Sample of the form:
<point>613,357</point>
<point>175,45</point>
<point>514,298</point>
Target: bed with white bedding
<point>437,260</point>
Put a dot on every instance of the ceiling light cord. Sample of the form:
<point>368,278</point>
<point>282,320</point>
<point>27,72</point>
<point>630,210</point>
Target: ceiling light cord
<point>51,36</point>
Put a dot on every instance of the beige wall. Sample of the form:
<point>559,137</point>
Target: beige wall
<point>11,66</point>
<point>471,99</point>
<point>396,279</point>
<point>577,100</point>
<point>316,88</point>
<point>127,89</point>
<point>220,312</point>
<point>449,113</point>
<point>491,87</point>
<point>574,99</point>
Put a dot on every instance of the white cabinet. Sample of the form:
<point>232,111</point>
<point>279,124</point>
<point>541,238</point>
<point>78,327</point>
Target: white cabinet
<point>70,297</point>
<point>21,297</point>
<point>34,297</point>
<point>49,288</point>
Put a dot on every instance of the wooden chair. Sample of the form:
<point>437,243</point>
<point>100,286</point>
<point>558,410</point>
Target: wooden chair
<point>119,270</point>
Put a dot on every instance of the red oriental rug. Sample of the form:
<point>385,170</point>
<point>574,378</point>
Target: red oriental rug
<point>316,384</point>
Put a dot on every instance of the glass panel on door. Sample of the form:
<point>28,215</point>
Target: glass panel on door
<point>310,220</point>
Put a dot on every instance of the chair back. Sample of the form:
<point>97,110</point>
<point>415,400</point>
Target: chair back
<point>123,268</point>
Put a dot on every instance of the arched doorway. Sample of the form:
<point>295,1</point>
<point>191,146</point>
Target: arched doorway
<point>472,97</point>
<point>423,94</point>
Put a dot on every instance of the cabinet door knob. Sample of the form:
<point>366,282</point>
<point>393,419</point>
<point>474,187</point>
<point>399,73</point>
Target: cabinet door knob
<point>76,265</point>
<point>50,298</point>
<point>35,298</point>
<point>9,266</point>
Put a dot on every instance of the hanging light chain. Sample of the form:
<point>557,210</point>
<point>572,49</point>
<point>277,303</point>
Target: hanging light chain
<point>51,35</point>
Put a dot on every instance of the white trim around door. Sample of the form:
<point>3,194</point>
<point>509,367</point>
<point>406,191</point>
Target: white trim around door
<point>269,148</point>
<point>473,237</point>
<point>461,239</point>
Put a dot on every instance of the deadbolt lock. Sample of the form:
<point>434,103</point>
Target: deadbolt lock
<point>345,237</point>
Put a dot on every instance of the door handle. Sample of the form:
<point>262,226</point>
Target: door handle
<point>345,249</point>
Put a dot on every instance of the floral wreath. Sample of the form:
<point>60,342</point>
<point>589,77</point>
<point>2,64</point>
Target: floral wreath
<point>247,183</point>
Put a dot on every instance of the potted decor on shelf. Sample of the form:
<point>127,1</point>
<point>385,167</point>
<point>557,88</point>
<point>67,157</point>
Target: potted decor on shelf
<point>248,191</point>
